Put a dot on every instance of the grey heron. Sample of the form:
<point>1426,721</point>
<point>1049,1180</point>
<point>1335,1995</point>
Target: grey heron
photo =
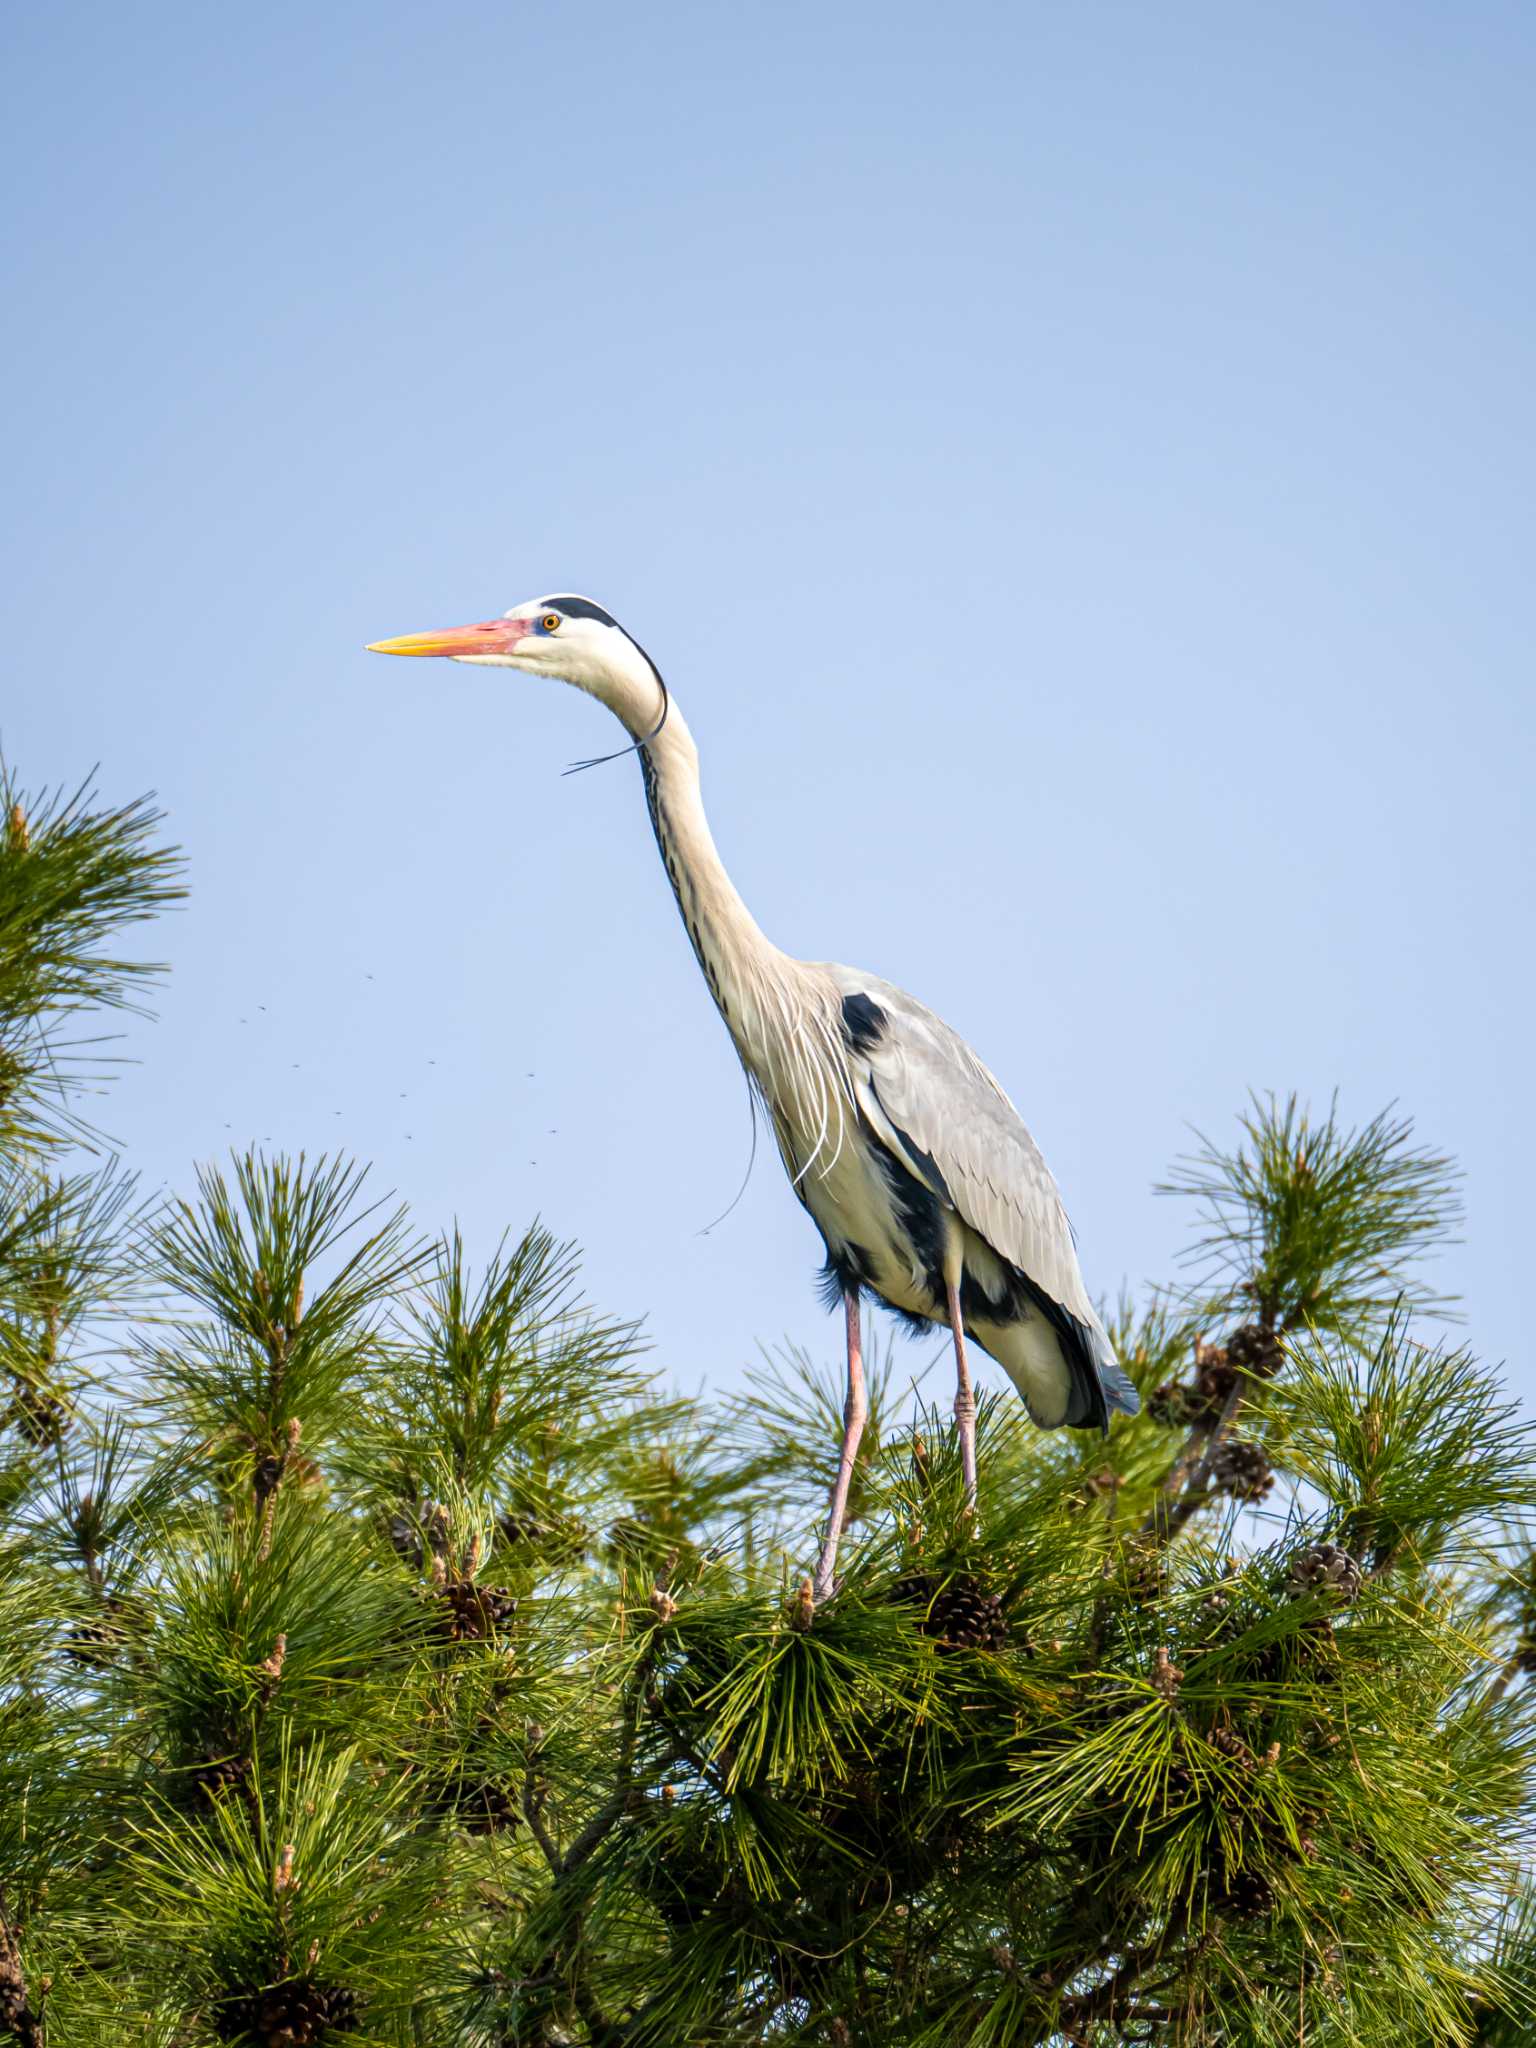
<point>919,1173</point>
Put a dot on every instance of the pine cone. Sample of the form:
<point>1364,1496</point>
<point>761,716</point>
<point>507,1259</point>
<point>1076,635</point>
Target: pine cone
<point>1168,1405</point>
<point>1241,1469</point>
<point>40,1416</point>
<point>1230,1744</point>
<point>218,1774</point>
<point>414,1532</point>
<point>406,1539</point>
<point>961,1615</point>
<point>95,1642</point>
<point>1325,1568</point>
<point>1246,1895</point>
<point>269,1470</point>
<point>289,2015</point>
<point>1256,1351</point>
<point>467,1612</point>
<point>1212,1388</point>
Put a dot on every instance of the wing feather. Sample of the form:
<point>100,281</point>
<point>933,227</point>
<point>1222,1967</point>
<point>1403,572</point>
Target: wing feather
<point>919,1082</point>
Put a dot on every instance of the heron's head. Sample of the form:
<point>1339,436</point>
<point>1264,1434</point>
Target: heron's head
<point>567,637</point>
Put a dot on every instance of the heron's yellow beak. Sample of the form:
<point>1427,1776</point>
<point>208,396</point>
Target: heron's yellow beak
<point>492,636</point>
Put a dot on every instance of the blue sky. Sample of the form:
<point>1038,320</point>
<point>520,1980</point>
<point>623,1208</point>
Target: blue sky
<point>1072,464</point>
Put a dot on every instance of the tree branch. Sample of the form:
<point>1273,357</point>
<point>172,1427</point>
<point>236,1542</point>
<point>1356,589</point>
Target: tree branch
<point>533,1804</point>
<point>1101,2003</point>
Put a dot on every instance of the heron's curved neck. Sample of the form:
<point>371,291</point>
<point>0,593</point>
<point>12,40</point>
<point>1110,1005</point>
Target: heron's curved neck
<point>738,961</point>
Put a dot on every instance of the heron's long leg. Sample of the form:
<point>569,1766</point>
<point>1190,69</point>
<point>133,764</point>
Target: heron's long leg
<point>965,1396</point>
<point>854,1411</point>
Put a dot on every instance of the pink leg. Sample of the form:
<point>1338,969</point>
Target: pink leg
<point>965,1398</point>
<point>854,1412</point>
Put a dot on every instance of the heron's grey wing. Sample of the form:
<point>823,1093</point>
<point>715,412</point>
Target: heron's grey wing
<point>950,1115</point>
<point>919,1082</point>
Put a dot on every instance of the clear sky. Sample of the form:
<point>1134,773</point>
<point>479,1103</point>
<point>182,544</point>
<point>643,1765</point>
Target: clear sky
<point>1073,464</point>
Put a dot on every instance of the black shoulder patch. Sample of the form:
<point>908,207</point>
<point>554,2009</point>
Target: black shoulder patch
<point>584,608</point>
<point>863,1022</point>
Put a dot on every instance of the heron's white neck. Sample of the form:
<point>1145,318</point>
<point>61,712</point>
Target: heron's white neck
<point>783,1014</point>
<point>743,967</point>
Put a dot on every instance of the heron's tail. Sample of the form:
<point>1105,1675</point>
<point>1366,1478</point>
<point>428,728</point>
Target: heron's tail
<point>1119,1391</point>
<point>1100,1382</point>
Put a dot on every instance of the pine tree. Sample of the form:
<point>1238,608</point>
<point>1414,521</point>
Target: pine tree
<point>384,1659</point>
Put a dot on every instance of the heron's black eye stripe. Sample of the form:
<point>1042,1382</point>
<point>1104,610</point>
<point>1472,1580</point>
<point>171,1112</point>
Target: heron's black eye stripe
<point>583,608</point>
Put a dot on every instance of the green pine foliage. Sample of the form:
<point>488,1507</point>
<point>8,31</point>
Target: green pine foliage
<point>385,1658</point>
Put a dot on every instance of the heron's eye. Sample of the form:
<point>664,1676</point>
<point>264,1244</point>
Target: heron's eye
<point>550,621</point>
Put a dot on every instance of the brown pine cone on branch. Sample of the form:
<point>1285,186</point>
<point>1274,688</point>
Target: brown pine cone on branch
<point>95,1640</point>
<point>1245,1894</point>
<point>961,1614</point>
<point>1241,1469</point>
<point>1213,1386</point>
<point>1231,1745</point>
<point>1325,1568</point>
<point>408,1526</point>
<point>1255,1351</point>
<point>1169,1405</point>
<point>295,2014</point>
<point>469,1613</point>
<point>37,1413</point>
<point>219,1773</point>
